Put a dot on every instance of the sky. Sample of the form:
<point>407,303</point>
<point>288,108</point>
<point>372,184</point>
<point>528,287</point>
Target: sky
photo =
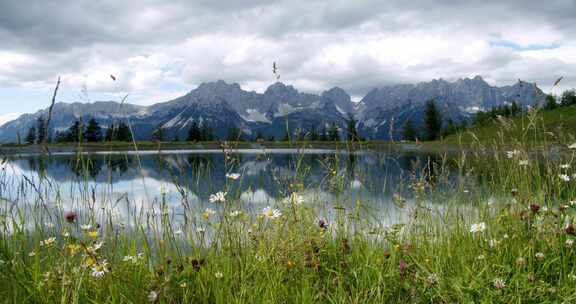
<point>159,50</point>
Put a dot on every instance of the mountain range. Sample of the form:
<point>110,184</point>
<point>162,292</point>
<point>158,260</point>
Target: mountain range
<point>381,114</point>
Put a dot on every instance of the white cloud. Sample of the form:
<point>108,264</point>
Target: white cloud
<point>158,50</point>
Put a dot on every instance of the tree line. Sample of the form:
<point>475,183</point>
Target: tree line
<point>92,132</point>
<point>78,132</point>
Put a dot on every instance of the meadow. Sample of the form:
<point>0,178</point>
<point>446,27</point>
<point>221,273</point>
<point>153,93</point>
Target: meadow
<point>509,240</point>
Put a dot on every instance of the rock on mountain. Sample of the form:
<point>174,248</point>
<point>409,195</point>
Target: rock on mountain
<point>384,111</point>
<point>381,114</point>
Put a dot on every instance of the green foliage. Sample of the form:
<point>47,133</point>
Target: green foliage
<point>93,132</point>
<point>432,121</point>
<point>351,131</point>
<point>333,133</point>
<point>409,133</point>
<point>31,136</point>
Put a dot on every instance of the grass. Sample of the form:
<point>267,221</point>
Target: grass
<point>556,125</point>
<point>508,238</point>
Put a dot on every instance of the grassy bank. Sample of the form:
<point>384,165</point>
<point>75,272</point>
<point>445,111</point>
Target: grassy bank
<point>509,239</point>
<point>554,126</point>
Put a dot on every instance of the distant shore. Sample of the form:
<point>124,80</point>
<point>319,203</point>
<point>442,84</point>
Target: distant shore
<point>11,149</point>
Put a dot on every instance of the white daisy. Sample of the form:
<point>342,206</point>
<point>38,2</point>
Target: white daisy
<point>271,213</point>
<point>235,213</point>
<point>219,197</point>
<point>152,296</point>
<point>479,227</point>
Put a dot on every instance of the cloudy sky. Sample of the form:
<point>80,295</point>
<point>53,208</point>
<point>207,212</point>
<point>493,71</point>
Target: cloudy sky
<point>161,49</point>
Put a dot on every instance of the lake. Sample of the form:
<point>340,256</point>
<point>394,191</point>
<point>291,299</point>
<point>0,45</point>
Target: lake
<point>179,182</point>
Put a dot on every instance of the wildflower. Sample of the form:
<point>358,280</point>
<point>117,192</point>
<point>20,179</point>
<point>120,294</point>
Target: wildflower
<point>511,154</point>
<point>534,208</point>
<point>207,213</point>
<point>572,277</point>
<point>70,217</point>
<point>569,229</point>
<point>539,255</point>
<point>233,176</point>
<point>491,201</point>
<point>479,227</point>
<point>152,296</point>
<point>178,232</point>
<point>219,275</point>
<point>66,234</point>
<point>49,225</point>
<point>74,248</point>
<point>296,199</point>
<point>271,213</point>
<point>564,177</point>
<point>565,166</point>
<point>322,224</point>
<point>200,229</point>
<point>183,285</point>
<point>499,283</point>
<point>520,261</point>
<point>493,243</point>
<point>572,203</point>
<point>480,257</point>
<point>218,197</point>
<point>569,243</point>
<point>572,146</point>
<point>99,270</point>
<point>432,279</point>
<point>95,247</point>
<point>402,266</point>
<point>93,234</point>
<point>48,242</point>
<point>514,191</point>
<point>235,213</point>
<point>523,162</point>
<point>32,253</point>
<point>290,264</point>
<point>85,227</point>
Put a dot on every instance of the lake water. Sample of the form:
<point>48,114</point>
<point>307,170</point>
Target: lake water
<point>125,184</point>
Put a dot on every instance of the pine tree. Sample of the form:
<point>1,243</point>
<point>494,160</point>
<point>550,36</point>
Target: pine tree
<point>351,128</point>
<point>333,134</point>
<point>313,134</point>
<point>568,98</point>
<point>110,133</point>
<point>409,133</point>
<point>123,133</point>
<point>74,132</point>
<point>550,103</point>
<point>41,131</point>
<point>323,134</point>
<point>93,132</point>
<point>234,134</point>
<point>194,132</point>
<point>31,137</point>
<point>206,133</point>
<point>433,121</point>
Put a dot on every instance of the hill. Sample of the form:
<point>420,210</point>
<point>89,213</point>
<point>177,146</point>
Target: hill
<point>553,126</point>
